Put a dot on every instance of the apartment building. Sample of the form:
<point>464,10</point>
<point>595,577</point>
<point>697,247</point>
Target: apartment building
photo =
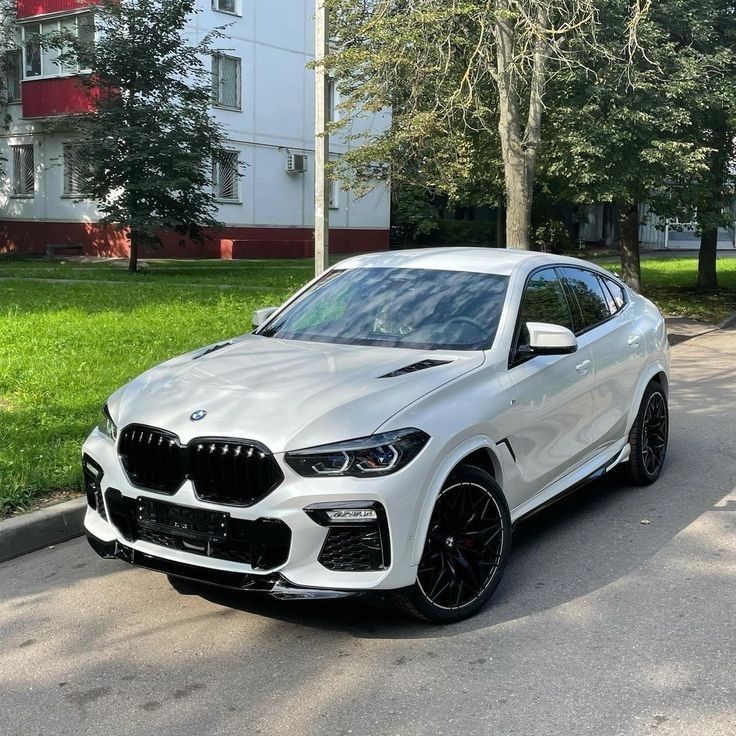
<point>262,93</point>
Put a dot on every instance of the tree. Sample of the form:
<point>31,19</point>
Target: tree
<point>633,138</point>
<point>150,141</point>
<point>467,84</point>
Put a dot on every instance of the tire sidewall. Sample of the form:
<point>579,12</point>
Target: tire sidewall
<point>425,608</point>
<point>639,471</point>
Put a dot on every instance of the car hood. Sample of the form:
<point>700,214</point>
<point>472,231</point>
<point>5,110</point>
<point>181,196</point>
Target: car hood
<point>286,394</point>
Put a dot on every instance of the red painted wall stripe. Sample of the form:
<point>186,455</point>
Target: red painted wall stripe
<point>32,237</point>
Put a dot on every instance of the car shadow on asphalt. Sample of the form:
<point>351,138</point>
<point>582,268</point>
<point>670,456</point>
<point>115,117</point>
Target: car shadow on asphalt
<point>582,543</point>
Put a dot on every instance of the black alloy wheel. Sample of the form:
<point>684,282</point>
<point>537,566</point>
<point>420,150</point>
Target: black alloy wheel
<point>648,437</point>
<point>465,551</point>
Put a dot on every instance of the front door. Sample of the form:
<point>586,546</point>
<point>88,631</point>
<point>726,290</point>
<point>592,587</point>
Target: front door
<point>554,393</point>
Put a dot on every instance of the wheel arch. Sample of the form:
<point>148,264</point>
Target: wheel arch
<point>657,372</point>
<point>479,451</point>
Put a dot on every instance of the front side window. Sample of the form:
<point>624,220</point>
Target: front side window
<point>590,306</point>
<point>225,176</point>
<point>544,301</point>
<point>76,170</point>
<point>24,174</point>
<point>425,309</point>
<point>226,81</point>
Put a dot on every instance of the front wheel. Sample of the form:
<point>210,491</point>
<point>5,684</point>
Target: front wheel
<point>465,552</point>
<point>648,437</point>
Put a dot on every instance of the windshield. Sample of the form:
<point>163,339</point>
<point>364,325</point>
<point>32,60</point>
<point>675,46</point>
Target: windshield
<point>397,307</point>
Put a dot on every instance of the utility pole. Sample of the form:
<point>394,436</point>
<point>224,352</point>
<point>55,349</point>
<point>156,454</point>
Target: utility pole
<point>321,143</point>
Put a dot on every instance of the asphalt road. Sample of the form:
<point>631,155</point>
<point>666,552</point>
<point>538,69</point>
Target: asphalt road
<point>602,624</point>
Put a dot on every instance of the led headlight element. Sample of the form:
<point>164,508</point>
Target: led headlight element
<point>380,454</point>
<point>107,426</point>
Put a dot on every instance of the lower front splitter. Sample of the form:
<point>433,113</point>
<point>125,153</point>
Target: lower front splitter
<point>275,585</point>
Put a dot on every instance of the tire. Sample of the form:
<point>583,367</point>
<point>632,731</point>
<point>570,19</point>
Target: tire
<point>648,437</point>
<point>465,552</point>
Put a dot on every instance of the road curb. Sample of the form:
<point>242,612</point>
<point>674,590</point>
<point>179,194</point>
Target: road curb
<point>53,525</point>
<point>728,322</point>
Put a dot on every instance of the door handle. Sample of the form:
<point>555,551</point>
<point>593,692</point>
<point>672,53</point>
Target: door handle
<point>634,341</point>
<point>582,368</point>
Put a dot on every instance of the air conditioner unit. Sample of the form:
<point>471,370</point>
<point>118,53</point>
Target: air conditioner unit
<point>296,163</point>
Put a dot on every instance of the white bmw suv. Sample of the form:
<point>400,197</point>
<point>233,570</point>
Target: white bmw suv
<point>384,429</point>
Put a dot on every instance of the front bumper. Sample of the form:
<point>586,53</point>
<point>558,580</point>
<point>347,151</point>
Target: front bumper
<point>301,575</point>
<point>275,585</point>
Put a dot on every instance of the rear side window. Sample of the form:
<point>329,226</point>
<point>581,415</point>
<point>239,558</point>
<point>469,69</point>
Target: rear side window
<point>588,296</point>
<point>544,301</point>
<point>618,297</point>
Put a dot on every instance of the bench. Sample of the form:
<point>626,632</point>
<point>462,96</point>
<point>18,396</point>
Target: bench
<point>52,249</point>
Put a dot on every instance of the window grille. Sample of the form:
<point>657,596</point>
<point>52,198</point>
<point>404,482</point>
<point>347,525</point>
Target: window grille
<point>24,175</point>
<point>226,81</point>
<point>225,175</point>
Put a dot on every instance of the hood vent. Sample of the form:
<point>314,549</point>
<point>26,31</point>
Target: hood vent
<point>212,350</point>
<point>414,367</point>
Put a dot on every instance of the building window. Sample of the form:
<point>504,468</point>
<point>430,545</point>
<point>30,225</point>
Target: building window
<point>44,62</point>
<point>24,173</point>
<point>226,81</point>
<point>225,176</point>
<point>12,64</point>
<point>32,50</point>
<point>333,99</point>
<point>226,6</point>
<point>76,171</point>
<point>334,194</point>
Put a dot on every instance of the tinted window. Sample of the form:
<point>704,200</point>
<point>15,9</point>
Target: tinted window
<point>544,301</point>
<point>617,293</point>
<point>397,307</point>
<point>592,304</point>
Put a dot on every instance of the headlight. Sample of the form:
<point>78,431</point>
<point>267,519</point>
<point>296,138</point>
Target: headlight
<point>380,454</point>
<point>107,426</point>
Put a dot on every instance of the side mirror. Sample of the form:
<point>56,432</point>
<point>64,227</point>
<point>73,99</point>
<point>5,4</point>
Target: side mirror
<point>547,339</point>
<point>261,315</point>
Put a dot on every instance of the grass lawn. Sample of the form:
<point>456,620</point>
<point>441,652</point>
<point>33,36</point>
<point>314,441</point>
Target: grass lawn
<point>670,284</point>
<point>65,347</point>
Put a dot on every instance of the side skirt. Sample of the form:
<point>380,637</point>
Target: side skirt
<point>599,471</point>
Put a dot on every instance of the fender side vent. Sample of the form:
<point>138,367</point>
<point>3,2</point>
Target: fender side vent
<point>414,367</point>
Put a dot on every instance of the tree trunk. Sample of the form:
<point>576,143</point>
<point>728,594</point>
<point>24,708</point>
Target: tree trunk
<point>519,205</point>
<point>133,261</point>
<point>630,263</point>
<point>501,225</point>
<point>707,278</point>
<point>519,139</point>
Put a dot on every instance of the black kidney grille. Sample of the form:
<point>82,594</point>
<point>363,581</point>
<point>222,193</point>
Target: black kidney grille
<point>233,472</point>
<point>229,472</point>
<point>152,458</point>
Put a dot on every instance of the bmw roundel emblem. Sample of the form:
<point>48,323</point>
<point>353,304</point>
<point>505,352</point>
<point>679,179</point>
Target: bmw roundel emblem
<point>198,415</point>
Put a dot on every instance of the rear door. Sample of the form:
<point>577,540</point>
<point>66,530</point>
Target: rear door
<point>600,313</point>
<point>554,392</point>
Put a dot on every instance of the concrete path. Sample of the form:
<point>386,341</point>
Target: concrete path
<point>603,625</point>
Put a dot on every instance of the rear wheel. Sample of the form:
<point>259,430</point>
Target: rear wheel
<point>465,551</point>
<point>648,437</point>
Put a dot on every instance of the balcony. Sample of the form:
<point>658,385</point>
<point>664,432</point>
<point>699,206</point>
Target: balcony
<point>51,96</point>
<point>31,8</point>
